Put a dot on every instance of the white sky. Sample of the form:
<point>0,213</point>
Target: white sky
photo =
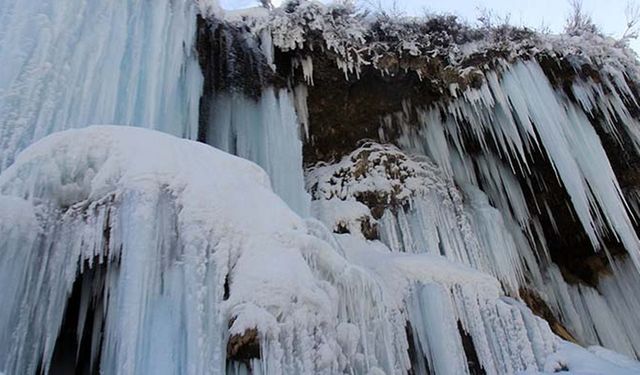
<point>607,14</point>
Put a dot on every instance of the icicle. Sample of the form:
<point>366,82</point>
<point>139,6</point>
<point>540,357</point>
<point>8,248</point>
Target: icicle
<point>300,95</point>
<point>430,313</point>
<point>516,111</point>
<point>307,70</point>
<point>603,316</point>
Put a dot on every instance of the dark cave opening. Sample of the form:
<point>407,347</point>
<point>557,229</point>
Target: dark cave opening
<point>70,355</point>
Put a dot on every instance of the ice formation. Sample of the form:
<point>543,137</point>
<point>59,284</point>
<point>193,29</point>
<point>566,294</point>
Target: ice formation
<point>170,276</point>
<point>422,212</point>
<point>267,132</point>
<point>56,57</point>
<point>128,251</point>
<point>165,231</point>
<point>520,113</point>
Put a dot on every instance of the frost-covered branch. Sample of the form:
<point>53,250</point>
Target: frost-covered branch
<point>267,4</point>
<point>356,37</point>
<point>632,18</point>
<point>579,21</point>
<point>488,19</point>
<point>393,11</point>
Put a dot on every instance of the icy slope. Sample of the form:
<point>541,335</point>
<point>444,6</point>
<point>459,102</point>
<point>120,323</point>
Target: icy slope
<point>409,204</point>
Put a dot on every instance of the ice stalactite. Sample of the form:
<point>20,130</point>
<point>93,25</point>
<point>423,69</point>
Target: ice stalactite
<point>446,302</point>
<point>79,63</point>
<point>604,314</point>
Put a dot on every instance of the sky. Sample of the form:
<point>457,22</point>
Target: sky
<point>609,15</point>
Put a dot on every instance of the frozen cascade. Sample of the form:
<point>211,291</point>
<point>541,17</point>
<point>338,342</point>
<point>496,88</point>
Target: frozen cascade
<point>185,245</point>
<point>155,255</point>
<point>267,132</point>
<point>518,112</point>
<point>56,56</point>
<point>429,219</point>
<point>346,198</point>
<point>169,225</point>
<point>506,336</point>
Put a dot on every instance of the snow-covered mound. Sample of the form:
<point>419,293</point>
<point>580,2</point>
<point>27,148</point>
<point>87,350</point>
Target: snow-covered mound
<point>377,169</point>
<point>173,223</point>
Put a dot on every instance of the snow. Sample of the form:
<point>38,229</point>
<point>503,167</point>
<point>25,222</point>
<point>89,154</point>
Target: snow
<point>573,359</point>
<point>180,246</point>
<point>355,39</point>
<point>383,169</point>
<point>184,219</point>
<point>347,215</point>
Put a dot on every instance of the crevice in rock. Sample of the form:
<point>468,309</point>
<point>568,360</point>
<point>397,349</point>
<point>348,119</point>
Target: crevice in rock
<point>473,361</point>
<point>415,355</point>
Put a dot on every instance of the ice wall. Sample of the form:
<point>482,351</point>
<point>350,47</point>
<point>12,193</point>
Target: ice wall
<point>76,63</point>
<point>267,131</point>
<point>518,113</point>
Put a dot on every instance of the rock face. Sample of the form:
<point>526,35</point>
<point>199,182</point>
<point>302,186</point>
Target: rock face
<point>343,112</point>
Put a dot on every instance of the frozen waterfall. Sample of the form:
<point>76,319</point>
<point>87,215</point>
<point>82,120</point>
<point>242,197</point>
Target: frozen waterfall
<point>133,249</point>
<point>182,247</point>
